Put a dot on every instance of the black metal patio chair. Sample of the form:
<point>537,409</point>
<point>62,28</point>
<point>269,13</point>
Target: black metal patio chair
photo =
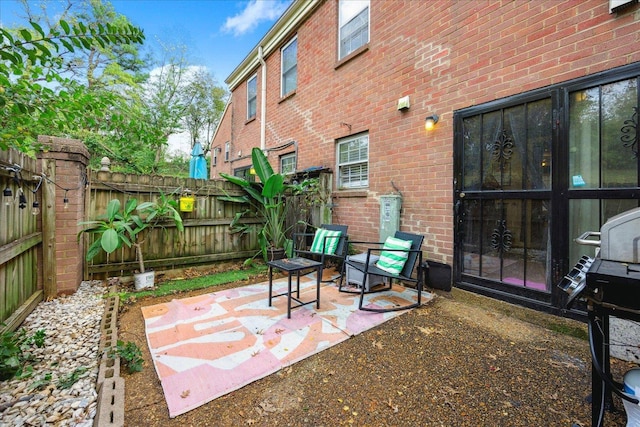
<point>332,247</point>
<point>370,267</point>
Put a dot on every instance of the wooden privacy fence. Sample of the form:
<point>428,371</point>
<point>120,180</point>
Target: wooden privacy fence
<point>41,256</point>
<point>20,238</point>
<point>207,236</point>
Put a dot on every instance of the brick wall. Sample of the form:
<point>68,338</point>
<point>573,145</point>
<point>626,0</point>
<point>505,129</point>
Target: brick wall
<point>71,158</point>
<point>445,55</point>
<point>222,135</point>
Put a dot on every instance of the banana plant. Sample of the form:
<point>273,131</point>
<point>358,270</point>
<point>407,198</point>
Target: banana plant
<point>267,199</point>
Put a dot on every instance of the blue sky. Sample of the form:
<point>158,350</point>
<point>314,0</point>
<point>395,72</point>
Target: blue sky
<point>219,33</point>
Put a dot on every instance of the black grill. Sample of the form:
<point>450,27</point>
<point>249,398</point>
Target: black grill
<point>610,286</point>
<point>614,285</point>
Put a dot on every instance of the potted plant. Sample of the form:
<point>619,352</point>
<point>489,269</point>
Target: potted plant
<point>117,228</point>
<point>267,199</point>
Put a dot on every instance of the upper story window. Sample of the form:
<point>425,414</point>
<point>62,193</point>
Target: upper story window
<point>252,97</point>
<point>288,163</point>
<point>354,25</point>
<point>214,157</point>
<point>227,151</point>
<point>289,67</point>
<point>353,162</point>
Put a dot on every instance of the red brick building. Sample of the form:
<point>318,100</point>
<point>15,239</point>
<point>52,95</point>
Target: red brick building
<point>531,96</point>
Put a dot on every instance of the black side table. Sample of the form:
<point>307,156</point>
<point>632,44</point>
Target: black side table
<point>291,266</point>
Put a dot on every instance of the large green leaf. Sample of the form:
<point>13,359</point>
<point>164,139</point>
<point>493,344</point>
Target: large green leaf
<point>110,240</point>
<point>261,164</point>
<point>236,180</point>
<point>130,206</point>
<point>94,249</point>
<point>113,208</point>
<point>273,186</point>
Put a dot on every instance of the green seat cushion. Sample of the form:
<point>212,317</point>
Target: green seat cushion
<point>325,241</point>
<point>393,261</point>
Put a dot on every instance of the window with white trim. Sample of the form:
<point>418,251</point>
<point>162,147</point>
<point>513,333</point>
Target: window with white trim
<point>353,162</point>
<point>288,163</point>
<point>252,97</point>
<point>354,25</point>
<point>289,67</point>
<point>227,151</point>
<point>214,159</point>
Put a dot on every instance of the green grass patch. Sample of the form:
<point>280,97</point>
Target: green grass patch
<point>572,331</point>
<point>195,283</point>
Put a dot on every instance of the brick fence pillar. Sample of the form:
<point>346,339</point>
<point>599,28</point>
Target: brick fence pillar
<point>64,163</point>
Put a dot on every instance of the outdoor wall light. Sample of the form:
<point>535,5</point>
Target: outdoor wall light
<point>430,121</point>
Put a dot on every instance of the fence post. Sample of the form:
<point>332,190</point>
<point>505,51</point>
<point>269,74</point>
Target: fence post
<point>64,162</point>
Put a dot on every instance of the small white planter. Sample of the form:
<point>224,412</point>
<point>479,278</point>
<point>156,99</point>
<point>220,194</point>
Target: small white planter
<point>144,280</point>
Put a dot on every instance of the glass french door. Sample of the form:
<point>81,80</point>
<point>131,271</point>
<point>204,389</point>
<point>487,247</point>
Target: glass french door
<point>535,171</point>
<point>503,197</point>
<point>603,156</point>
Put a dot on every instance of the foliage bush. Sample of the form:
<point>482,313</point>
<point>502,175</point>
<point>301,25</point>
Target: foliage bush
<point>14,352</point>
<point>130,355</point>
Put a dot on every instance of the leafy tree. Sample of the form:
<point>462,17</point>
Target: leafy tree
<point>164,100</point>
<point>84,76</point>
<point>99,66</point>
<point>205,110</point>
<point>35,94</point>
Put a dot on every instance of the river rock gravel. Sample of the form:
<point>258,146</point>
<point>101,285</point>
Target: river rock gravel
<point>62,388</point>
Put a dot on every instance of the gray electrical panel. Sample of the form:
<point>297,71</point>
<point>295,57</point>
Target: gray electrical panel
<point>390,206</point>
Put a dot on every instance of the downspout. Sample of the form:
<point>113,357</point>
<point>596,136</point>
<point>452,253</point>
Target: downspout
<point>263,101</point>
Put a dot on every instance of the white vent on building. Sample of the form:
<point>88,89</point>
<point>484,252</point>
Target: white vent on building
<point>618,5</point>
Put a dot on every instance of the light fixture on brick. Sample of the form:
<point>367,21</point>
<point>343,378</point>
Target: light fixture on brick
<point>430,121</point>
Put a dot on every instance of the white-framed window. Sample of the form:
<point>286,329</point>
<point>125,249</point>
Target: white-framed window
<point>353,162</point>
<point>214,157</point>
<point>227,151</point>
<point>288,163</point>
<point>252,96</point>
<point>289,67</point>
<point>353,25</point>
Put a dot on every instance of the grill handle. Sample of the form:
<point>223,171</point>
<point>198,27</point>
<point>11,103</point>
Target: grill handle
<point>584,238</point>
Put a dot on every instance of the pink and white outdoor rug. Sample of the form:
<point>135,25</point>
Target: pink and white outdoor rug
<point>206,346</point>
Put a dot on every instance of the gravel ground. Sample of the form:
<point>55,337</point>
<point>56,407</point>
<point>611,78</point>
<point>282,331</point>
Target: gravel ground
<point>460,360</point>
<point>61,389</point>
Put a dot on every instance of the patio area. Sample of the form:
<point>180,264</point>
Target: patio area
<point>206,346</point>
<point>459,360</point>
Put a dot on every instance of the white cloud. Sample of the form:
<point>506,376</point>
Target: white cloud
<point>256,12</point>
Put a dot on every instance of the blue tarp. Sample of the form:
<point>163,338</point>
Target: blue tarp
<point>198,164</point>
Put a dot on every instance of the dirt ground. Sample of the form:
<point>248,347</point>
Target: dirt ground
<point>460,360</point>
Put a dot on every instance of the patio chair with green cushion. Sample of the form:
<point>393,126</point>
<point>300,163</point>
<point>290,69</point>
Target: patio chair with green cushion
<point>329,243</point>
<point>398,257</point>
